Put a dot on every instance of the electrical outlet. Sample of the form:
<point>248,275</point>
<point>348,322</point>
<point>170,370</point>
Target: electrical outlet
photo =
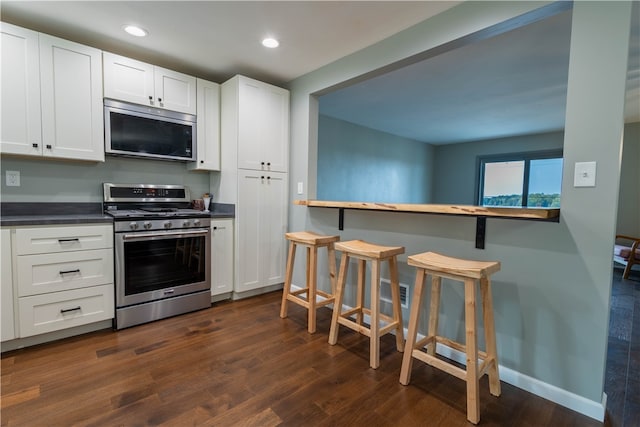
<point>13,178</point>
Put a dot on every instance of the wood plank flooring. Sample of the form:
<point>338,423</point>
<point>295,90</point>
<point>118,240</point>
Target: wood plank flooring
<point>239,364</point>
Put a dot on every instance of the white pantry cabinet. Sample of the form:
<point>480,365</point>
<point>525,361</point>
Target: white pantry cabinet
<point>261,222</point>
<point>134,81</point>
<point>207,127</point>
<point>64,276</point>
<point>261,129</point>
<point>221,256</point>
<point>6,288</point>
<point>51,97</point>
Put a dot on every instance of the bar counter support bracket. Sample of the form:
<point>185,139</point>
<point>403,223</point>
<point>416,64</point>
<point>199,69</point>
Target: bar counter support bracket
<point>340,219</point>
<point>481,230</point>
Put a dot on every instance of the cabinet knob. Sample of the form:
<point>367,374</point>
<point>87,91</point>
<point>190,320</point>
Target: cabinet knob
<point>262,163</point>
<point>35,145</point>
<point>159,99</point>
<point>49,146</point>
<point>215,228</point>
<point>268,163</point>
<point>201,161</point>
<point>268,177</point>
<point>262,177</point>
<point>150,98</point>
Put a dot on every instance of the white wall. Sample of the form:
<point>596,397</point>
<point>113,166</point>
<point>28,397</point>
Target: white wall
<point>551,298</point>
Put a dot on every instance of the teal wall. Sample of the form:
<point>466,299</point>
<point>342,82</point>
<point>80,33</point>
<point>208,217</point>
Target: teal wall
<point>359,163</point>
<point>552,296</point>
<point>47,180</point>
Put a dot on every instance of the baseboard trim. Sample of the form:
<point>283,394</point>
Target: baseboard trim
<point>575,402</point>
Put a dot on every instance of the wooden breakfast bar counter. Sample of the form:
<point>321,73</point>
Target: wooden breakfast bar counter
<point>481,213</point>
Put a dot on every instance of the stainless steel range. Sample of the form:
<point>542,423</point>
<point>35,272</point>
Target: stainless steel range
<point>162,252</point>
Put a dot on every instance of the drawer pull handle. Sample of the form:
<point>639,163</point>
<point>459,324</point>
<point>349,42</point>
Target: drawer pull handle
<point>70,309</point>
<point>77,270</point>
<point>69,240</point>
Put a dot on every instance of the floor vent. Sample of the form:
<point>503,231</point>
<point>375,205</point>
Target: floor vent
<point>385,293</point>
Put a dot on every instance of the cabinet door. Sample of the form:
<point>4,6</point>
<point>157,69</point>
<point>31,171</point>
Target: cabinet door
<point>221,256</point>
<point>275,128</point>
<point>129,80</point>
<point>263,126</point>
<point>261,221</point>
<point>20,92</point>
<point>175,91</point>
<point>208,127</point>
<point>273,220</point>
<point>248,220</point>
<point>71,99</point>
<point>6,288</point>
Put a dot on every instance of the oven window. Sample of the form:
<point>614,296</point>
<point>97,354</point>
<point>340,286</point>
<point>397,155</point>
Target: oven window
<point>159,264</point>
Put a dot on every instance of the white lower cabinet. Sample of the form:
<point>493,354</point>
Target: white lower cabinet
<point>60,310</point>
<point>6,288</point>
<point>63,277</point>
<point>261,222</point>
<point>221,256</point>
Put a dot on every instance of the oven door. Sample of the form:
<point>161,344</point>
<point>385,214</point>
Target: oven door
<point>155,265</point>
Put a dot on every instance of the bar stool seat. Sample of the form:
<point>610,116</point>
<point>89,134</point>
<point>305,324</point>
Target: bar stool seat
<point>469,272</point>
<point>312,241</point>
<point>364,251</point>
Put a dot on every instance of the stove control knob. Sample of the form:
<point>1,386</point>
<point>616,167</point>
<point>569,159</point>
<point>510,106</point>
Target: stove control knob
<point>196,222</point>
<point>133,225</point>
<point>186,224</point>
<point>167,224</point>
<point>147,225</point>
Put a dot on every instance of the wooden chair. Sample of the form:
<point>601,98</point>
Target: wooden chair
<point>306,297</point>
<point>375,254</point>
<point>627,255</point>
<point>469,273</point>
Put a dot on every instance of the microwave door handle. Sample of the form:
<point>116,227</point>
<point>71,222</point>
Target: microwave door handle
<point>164,235</point>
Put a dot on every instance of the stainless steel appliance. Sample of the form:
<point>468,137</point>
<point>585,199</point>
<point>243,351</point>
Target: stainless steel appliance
<point>162,252</point>
<point>139,131</point>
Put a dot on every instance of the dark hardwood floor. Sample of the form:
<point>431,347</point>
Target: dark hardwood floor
<point>239,364</point>
<point>622,378</point>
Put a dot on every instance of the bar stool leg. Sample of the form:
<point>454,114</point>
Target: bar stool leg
<point>362,270</point>
<point>374,338</point>
<point>490,336</point>
<point>337,303</point>
<point>287,280</point>
<point>434,313</point>
<point>414,316</point>
<point>312,261</point>
<point>332,267</point>
<point>395,298</point>
<point>471,345</point>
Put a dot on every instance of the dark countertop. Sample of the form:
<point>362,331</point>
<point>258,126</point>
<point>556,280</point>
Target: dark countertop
<point>15,214</point>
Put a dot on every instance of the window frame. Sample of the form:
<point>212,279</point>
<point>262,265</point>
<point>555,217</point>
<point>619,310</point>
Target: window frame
<point>525,156</point>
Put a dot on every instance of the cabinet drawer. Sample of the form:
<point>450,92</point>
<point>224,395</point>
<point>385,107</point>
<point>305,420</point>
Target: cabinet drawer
<point>63,239</point>
<point>60,310</point>
<point>38,274</point>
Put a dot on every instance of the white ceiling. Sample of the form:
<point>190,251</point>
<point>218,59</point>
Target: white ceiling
<point>511,84</point>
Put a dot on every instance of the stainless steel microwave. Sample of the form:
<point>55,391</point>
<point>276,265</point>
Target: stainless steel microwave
<point>138,131</point>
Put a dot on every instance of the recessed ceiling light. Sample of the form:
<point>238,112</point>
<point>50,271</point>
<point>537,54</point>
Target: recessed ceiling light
<point>270,42</point>
<point>135,30</point>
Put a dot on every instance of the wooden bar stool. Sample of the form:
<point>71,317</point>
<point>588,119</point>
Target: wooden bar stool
<point>312,241</point>
<point>364,252</point>
<point>439,266</point>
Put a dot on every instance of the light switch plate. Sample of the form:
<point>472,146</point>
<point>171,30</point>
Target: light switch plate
<point>584,174</point>
<point>300,188</point>
<point>13,178</point>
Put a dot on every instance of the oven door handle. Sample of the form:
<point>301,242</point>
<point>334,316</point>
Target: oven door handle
<point>164,235</point>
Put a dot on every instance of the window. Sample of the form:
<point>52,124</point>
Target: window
<point>523,179</point>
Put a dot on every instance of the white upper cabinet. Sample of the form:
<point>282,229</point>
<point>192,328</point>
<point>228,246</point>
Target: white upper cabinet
<point>262,124</point>
<point>51,96</point>
<point>71,99</point>
<point>134,81</point>
<point>21,128</point>
<point>208,127</point>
